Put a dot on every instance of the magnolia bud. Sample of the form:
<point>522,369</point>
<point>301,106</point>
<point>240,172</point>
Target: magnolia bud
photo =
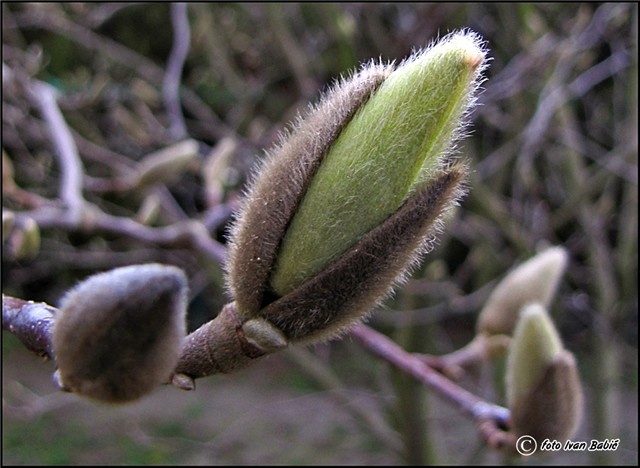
<point>25,239</point>
<point>398,139</point>
<point>149,210</point>
<point>543,386</point>
<point>346,289</point>
<point>553,407</point>
<point>535,344</point>
<point>166,164</point>
<point>8,221</point>
<point>281,183</point>
<point>343,206</point>
<point>119,333</point>
<point>536,280</point>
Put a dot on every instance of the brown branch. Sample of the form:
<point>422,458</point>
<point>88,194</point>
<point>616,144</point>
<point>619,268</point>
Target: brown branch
<point>31,322</point>
<point>483,348</point>
<point>490,418</point>
<point>183,232</point>
<point>219,346</point>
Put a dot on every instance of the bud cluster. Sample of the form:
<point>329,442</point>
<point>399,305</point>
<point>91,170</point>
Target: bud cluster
<point>343,207</point>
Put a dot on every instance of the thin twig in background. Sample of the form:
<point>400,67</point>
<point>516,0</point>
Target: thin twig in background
<point>79,215</point>
<point>192,233</point>
<point>142,65</point>
<point>556,93</point>
<point>298,60</point>
<point>324,375</point>
<point>219,55</point>
<point>171,81</point>
<point>456,306</point>
<point>70,165</point>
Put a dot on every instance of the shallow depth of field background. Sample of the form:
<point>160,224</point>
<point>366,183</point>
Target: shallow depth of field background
<point>553,153</point>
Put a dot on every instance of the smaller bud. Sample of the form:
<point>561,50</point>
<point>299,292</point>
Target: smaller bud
<point>8,221</point>
<point>167,164</point>
<point>150,209</point>
<point>183,382</point>
<point>535,344</point>
<point>553,408</point>
<point>25,240</point>
<point>119,333</point>
<point>216,169</point>
<point>263,335</point>
<point>8,183</point>
<point>536,280</point>
<point>543,386</point>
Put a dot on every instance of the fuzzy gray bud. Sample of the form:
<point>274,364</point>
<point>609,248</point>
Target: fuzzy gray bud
<point>119,333</point>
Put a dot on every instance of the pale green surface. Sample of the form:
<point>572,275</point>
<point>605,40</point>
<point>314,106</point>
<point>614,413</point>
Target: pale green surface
<point>535,343</point>
<point>395,140</point>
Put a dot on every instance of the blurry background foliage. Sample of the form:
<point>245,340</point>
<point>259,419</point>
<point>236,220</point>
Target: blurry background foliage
<point>553,153</point>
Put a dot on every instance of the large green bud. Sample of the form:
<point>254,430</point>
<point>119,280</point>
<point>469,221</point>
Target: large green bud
<point>348,200</point>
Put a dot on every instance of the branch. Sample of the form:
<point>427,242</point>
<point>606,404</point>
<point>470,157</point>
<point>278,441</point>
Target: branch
<point>171,82</point>
<point>145,67</point>
<point>215,345</point>
<point>31,322</point>
<point>491,419</point>
<point>190,232</point>
<point>298,60</point>
<point>218,346</point>
<point>66,150</point>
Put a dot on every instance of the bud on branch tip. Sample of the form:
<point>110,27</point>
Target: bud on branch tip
<point>397,139</point>
<point>119,333</point>
<point>536,280</point>
<point>543,386</point>
<point>375,151</point>
<point>535,344</point>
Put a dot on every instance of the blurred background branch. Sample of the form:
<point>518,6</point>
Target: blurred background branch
<point>171,82</point>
